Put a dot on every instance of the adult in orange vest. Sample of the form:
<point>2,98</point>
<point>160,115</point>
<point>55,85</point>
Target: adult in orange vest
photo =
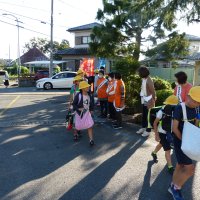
<point>111,95</point>
<point>102,84</point>
<point>119,100</point>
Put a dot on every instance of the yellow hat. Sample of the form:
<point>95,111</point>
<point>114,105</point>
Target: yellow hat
<point>78,78</point>
<point>171,100</point>
<point>195,93</point>
<point>80,71</point>
<point>83,84</point>
<point>96,71</point>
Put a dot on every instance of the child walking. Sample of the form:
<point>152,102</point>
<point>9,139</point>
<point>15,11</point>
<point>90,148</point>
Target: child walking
<point>161,134</point>
<point>83,105</point>
<point>185,167</point>
<point>74,90</point>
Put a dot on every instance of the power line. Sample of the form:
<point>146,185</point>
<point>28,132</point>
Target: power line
<point>76,8</point>
<point>41,21</point>
<point>26,16</point>
<point>25,6</point>
<point>27,29</point>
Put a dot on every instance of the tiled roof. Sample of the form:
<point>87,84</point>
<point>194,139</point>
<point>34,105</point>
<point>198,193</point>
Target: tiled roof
<point>192,37</point>
<point>33,54</point>
<point>84,27</point>
<point>73,51</point>
<point>195,56</point>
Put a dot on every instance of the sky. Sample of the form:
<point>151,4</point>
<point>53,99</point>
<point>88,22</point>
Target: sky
<point>67,14</point>
<point>35,16</point>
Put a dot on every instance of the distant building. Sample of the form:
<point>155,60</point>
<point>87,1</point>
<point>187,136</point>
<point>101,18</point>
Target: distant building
<point>74,56</point>
<point>33,54</point>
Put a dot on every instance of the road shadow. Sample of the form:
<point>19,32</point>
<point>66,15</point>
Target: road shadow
<point>30,153</point>
<point>88,187</point>
<point>158,189</point>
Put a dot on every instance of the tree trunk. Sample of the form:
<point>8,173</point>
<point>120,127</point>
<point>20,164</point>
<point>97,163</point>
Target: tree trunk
<point>138,38</point>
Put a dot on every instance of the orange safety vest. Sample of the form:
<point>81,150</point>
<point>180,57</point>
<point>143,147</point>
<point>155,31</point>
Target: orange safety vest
<point>111,91</point>
<point>119,93</point>
<point>101,88</point>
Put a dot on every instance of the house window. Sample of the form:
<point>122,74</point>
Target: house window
<point>86,39</point>
<point>82,40</point>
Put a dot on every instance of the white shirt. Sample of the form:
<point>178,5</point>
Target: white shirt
<point>159,116</point>
<point>86,102</point>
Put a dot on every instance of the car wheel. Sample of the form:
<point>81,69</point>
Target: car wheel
<point>48,86</point>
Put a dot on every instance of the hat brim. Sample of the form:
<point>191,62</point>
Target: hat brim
<point>168,103</point>
<point>86,86</point>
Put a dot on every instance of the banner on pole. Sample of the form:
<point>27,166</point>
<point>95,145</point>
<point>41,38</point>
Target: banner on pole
<point>87,65</point>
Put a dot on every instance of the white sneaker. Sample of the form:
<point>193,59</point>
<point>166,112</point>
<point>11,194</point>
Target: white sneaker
<point>146,134</point>
<point>140,131</point>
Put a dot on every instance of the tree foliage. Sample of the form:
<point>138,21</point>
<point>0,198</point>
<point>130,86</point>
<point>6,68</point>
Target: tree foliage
<point>44,45</point>
<point>123,23</point>
<point>177,47</point>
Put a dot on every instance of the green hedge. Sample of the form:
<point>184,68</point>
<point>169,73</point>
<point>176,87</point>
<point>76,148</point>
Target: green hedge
<point>162,95</point>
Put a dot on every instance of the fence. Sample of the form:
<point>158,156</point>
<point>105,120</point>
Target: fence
<point>168,73</point>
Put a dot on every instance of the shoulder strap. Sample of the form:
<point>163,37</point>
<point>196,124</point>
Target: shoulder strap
<point>184,111</point>
<point>179,91</point>
<point>101,84</point>
<point>79,97</point>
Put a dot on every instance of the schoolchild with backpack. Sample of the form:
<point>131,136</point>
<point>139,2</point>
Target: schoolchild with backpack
<point>83,106</point>
<point>162,127</point>
<point>185,116</point>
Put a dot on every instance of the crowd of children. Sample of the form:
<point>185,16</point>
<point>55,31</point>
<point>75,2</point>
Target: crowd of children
<point>110,92</point>
<point>168,123</point>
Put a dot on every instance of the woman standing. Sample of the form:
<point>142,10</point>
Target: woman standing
<point>83,105</point>
<point>102,84</point>
<point>119,100</point>
<point>148,98</point>
<point>183,87</point>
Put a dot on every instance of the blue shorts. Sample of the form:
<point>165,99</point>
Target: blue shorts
<point>182,159</point>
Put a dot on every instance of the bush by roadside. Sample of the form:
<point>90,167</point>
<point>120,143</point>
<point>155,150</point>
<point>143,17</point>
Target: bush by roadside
<point>133,87</point>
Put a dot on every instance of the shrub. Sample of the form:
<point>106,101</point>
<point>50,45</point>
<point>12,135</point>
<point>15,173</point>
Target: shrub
<point>161,84</point>
<point>162,95</point>
<point>126,66</point>
<point>24,70</point>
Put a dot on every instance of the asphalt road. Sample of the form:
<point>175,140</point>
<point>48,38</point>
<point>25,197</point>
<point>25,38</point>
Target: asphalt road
<point>39,160</point>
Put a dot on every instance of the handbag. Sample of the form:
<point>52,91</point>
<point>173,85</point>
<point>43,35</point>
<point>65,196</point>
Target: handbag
<point>84,121</point>
<point>190,138</point>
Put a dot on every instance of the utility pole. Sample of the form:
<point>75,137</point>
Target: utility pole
<point>51,47</point>
<point>18,46</point>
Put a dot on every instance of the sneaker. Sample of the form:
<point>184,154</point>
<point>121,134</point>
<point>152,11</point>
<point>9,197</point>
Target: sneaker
<point>176,194</point>
<point>170,170</point>
<point>140,131</point>
<point>117,127</point>
<point>91,143</point>
<point>75,138</point>
<point>146,134</point>
<point>155,158</point>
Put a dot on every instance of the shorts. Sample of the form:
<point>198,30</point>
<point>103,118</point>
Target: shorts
<point>164,142</point>
<point>182,159</point>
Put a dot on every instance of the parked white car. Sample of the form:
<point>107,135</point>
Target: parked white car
<point>60,80</point>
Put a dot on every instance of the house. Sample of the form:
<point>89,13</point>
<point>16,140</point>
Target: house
<point>33,54</point>
<point>159,66</point>
<point>159,60</point>
<point>75,55</point>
